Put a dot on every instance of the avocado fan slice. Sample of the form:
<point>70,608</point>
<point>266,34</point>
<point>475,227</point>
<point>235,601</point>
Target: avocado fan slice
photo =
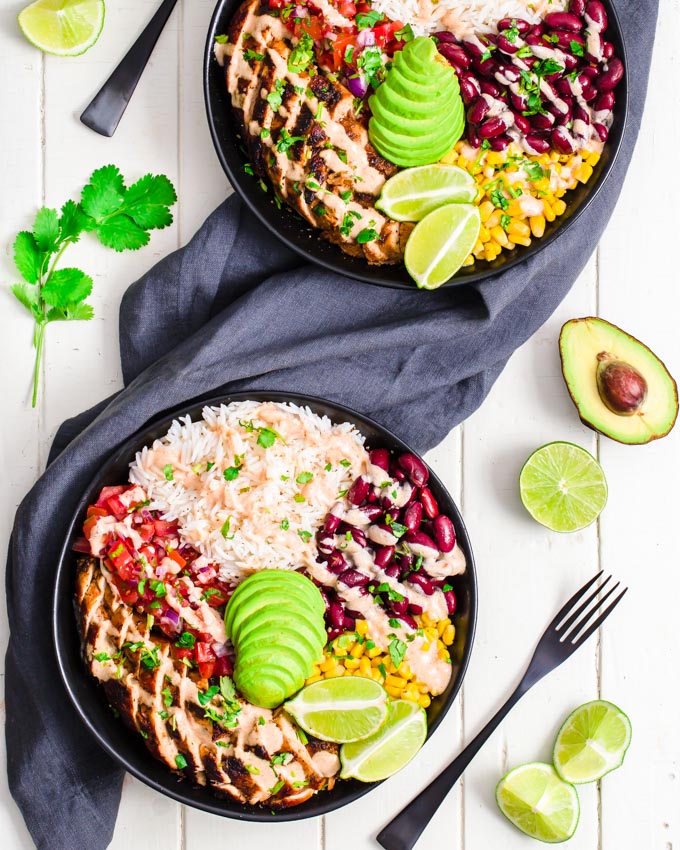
<point>312,629</point>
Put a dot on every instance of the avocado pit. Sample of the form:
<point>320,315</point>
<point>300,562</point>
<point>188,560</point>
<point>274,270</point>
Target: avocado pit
<point>621,387</point>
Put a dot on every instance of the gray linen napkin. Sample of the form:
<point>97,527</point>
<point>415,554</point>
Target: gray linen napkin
<point>237,310</point>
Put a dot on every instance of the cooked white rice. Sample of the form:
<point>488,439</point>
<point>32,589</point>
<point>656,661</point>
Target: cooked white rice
<point>266,516</point>
<point>463,17</point>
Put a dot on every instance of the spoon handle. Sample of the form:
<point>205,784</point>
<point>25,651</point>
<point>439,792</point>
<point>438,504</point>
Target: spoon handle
<point>108,105</point>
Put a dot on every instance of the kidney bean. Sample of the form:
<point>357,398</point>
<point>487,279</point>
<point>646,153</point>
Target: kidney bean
<point>597,13</point>
<point>477,111</point>
<point>589,93</point>
<point>581,114</point>
<point>493,127</point>
<point>325,543</point>
<point>473,49</point>
<point>359,490</point>
<point>534,39</point>
<point>371,512</point>
<point>398,474</point>
<point>570,61</point>
<point>392,571</point>
<point>605,101</point>
<point>489,88</point>
<point>383,556</point>
<point>348,624</point>
<point>537,29</point>
<point>444,533</point>
<point>422,582</point>
<point>588,73</point>
<point>607,50</point>
<point>354,578</point>
<point>331,523</point>
<point>326,600</point>
<point>446,36</point>
<point>521,122</point>
<point>408,620</point>
<point>499,143</point>
<point>336,614</point>
<point>565,39</point>
<point>455,54</point>
<point>537,144</point>
<point>419,538</point>
<point>577,7</point>
<point>451,601</point>
<point>358,537</point>
<point>563,86</point>
<point>510,72</point>
<point>413,515</point>
<point>381,458</point>
<point>415,609</point>
<point>373,495</point>
<point>601,131</point>
<point>333,633</point>
<point>565,118</point>
<point>487,68</point>
<point>562,141</point>
<point>336,562</point>
<point>415,469</point>
<point>519,101</point>
<point>473,136</point>
<point>405,561</point>
<point>429,502</point>
<point>563,21</point>
<point>506,46</point>
<point>399,607</point>
<point>469,87</point>
<point>610,78</point>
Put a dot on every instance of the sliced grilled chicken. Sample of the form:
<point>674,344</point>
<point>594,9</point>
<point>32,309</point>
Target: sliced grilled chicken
<point>303,135</point>
<point>237,749</point>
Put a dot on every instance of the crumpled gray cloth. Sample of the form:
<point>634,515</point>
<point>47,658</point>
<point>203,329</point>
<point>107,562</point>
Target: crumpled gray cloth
<point>236,310</point>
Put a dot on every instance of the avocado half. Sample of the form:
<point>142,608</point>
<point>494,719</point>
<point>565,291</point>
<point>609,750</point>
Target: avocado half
<point>586,345</point>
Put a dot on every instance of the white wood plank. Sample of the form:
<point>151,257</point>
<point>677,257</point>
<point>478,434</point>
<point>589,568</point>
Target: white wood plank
<point>640,545</point>
<point>202,830</point>
<point>356,827</point>
<point>525,574</point>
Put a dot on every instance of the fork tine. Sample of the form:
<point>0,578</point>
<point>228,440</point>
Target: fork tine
<point>564,628</point>
<point>577,641</point>
<point>565,609</point>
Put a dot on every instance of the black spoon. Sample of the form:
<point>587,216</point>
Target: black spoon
<point>104,113</point>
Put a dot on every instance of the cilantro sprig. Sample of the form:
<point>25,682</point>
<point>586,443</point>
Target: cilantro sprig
<point>119,216</point>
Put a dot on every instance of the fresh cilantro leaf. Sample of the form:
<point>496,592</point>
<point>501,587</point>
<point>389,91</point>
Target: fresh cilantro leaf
<point>252,54</point>
<point>405,33</point>
<point>224,531</point>
<point>301,55</point>
<point>28,257</point>
<point>252,769</point>
<point>102,656</point>
<point>266,438</point>
<point>286,141</point>
<point>231,473</point>
<point>505,221</point>
<point>186,641</point>
<point>221,39</point>
<point>397,649</point>
<point>305,535</point>
<point>122,234</point>
<point>261,721</point>
<point>71,312</point>
<point>227,688</point>
<point>66,286</point>
<point>533,170</point>
<point>298,497</point>
<point>368,234</point>
<point>276,788</point>
<point>46,230</point>
<point>281,758</point>
<point>180,761</point>
<point>168,472</point>
<point>304,478</point>
<point>368,19</point>
<point>576,48</point>
<point>285,524</point>
<point>73,222</point>
<point>148,200</point>
<point>204,697</point>
<point>524,52</point>
<point>29,296</point>
<point>104,194</point>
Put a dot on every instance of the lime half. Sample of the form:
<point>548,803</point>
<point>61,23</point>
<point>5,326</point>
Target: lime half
<point>537,801</point>
<point>563,487</point>
<point>414,192</point>
<point>63,27</point>
<point>593,741</point>
<point>392,746</point>
<point>440,243</point>
<point>348,708</point>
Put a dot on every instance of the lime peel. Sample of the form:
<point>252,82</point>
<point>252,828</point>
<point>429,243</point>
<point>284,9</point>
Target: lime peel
<point>440,243</point>
<point>63,27</point>
<point>413,193</point>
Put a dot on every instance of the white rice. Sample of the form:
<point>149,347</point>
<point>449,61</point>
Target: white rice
<point>463,17</point>
<point>262,498</point>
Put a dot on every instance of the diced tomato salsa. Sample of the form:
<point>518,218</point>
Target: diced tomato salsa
<point>145,557</point>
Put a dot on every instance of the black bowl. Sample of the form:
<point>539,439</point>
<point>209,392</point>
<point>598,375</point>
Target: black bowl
<point>128,748</point>
<point>299,236</point>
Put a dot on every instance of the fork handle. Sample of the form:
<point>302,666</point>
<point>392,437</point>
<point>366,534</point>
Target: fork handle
<point>405,829</point>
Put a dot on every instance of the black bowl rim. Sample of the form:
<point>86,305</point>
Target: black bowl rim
<point>372,275</point>
<point>214,805</point>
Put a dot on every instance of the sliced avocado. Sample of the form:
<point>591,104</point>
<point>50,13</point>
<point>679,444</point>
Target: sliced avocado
<point>278,583</point>
<point>293,657</point>
<point>619,386</point>
<point>289,601</point>
<point>311,628</point>
<point>309,650</point>
<point>267,692</point>
<point>398,105</point>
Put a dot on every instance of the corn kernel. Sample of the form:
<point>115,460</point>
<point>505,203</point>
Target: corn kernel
<point>424,701</point>
<point>548,211</point>
<point>518,228</point>
<point>489,253</point>
<point>537,223</point>
<point>394,681</point>
<point>339,650</point>
<point>376,661</point>
<point>361,627</point>
<point>484,234</point>
<point>559,206</point>
<point>426,619</point>
<point>335,673</point>
<point>449,635</point>
<point>357,650</point>
<point>500,236</point>
<point>316,678</point>
<point>404,671</point>
<point>426,647</point>
<point>485,210</point>
<point>327,665</point>
<point>377,675</point>
<point>374,652</point>
<point>365,666</point>
<point>493,220</point>
<point>584,172</point>
<point>395,693</point>
<point>495,157</point>
<point>469,260</point>
<point>352,664</point>
<point>523,240</point>
<point>593,159</point>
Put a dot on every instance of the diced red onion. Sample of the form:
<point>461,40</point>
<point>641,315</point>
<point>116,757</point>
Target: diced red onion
<point>169,619</point>
<point>366,38</point>
<point>220,649</point>
<point>82,544</point>
<point>299,12</point>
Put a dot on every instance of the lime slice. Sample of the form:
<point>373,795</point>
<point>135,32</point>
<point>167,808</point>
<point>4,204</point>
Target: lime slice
<point>348,708</point>
<point>537,801</point>
<point>563,487</point>
<point>392,746</point>
<point>439,244</point>
<point>593,741</point>
<point>414,192</point>
<point>63,27</point>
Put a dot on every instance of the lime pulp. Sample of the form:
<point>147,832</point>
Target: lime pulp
<point>63,27</point>
<point>592,742</point>
<point>413,193</point>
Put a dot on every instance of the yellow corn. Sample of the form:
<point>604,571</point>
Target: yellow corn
<point>352,664</point>
<point>357,650</point>
<point>373,653</point>
<point>518,228</point>
<point>317,678</point>
<point>394,681</point>
<point>584,172</point>
<point>537,224</point>
<point>441,626</point>
<point>449,634</point>
<point>469,260</point>
<point>548,211</point>
<point>485,210</point>
<point>559,206</point>
<point>424,701</point>
<point>327,665</point>
<point>361,628</point>
<point>365,666</point>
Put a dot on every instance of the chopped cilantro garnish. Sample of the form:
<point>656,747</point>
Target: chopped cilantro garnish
<point>505,221</point>
<point>298,497</point>
<point>576,48</point>
<point>305,535</point>
<point>180,761</point>
<point>368,234</point>
<point>167,697</point>
<point>397,649</point>
<point>302,54</point>
<point>285,524</point>
<point>286,141</point>
<point>252,54</point>
<point>346,463</point>
<point>168,472</point>
<point>304,478</point>
<point>266,438</point>
<point>364,20</point>
<point>252,769</point>
<point>102,656</point>
<point>224,531</point>
<point>405,33</point>
<point>204,697</point>
<point>186,641</point>
<point>328,467</point>
<point>158,588</point>
<point>231,473</point>
<point>345,196</point>
<point>276,788</point>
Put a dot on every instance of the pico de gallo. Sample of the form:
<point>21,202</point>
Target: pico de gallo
<point>341,37</point>
<point>154,572</point>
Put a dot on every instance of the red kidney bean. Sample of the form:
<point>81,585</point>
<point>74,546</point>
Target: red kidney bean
<point>601,131</point>
<point>493,127</point>
<point>348,624</point>
<point>522,123</point>
<point>444,533</point>
<point>336,562</point>
<point>359,537</point>
<point>325,543</point>
<point>581,114</point>
<point>469,87</point>
<point>398,474</point>
<point>381,458</point>
<point>565,39</point>
<point>336,614</point>
<point>537,29</point>
<point>409,621</point>
<point>326,600</point>
<point>589,72</point>
<point>331,523</point>
<point>517,23</point>
<point>577,7</point>
<point>607,50</point>
<point>451,602</point>
<point>510,72</point>
<point>455,54</point>
<point>392,571</point>
<point>537,144</point>
<point>333,633</point>
<point>383,556</point>
<point>499,143</point>
<point>371,512</point>
<point>506,46</point>
<point>563,86</point>
<point>353,578</point>
<point>533,39</point>
<point>415,609</point>
<point>373,495</point>
<point>570,61</point>
<point>446,36</point>
<point>477,111</point>
<point>429,502</point>
<point>519,101</point>
<point>473,49</point>
<point>605,101</point>
<point>355,615</point>
<point>565,118</point>
<point>419,538</point>
<point>399,607</point>
<point>473,136</point>
<point>487,68</point>
<point>413,515</point>
<point>422,582</point>
<point>405,561</point>
<point>589,93</point>
<point>561,140</point>
<point>610,78</point>
<point>597,13</point>
<point>415,469</point>
<point>564,21</point>
<point>359,490</point>
<point>489,88</point>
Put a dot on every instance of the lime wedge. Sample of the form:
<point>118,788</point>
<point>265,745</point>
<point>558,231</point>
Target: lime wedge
<point>563,487</point>
<point>593,741</point>
<point>414,192</point>
<point>63,27</point>
<point>348,708</point>
<point>537,801</point>
<point>439,244</point>
<point>392,746</point>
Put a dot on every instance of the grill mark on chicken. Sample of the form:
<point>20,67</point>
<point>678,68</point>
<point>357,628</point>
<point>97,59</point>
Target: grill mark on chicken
<point>336,152</point>
<point>215,756</point>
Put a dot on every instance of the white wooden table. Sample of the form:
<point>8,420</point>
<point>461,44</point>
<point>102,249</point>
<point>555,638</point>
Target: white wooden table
<point>524,571</point>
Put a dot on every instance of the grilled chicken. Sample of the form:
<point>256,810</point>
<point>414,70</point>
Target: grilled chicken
<point>237,749</point>
<point>303,135</point>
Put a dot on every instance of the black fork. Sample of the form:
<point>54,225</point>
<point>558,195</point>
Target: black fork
<point>570,629</point>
